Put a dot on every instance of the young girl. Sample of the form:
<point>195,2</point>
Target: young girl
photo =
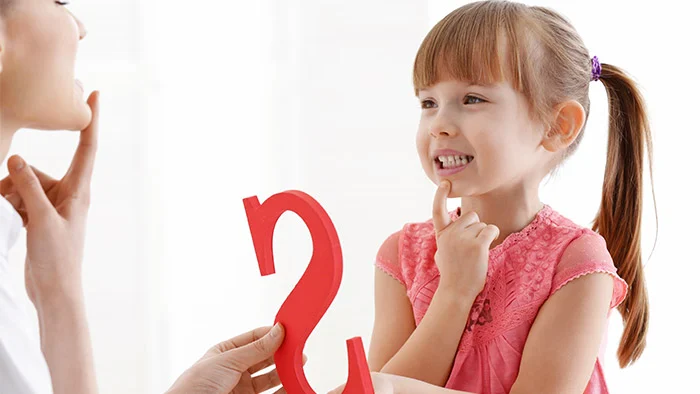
<point>519,305</point>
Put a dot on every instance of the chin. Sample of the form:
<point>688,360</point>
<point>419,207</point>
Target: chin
<point>461,191</point>
<point>75,119</point>
<point>459,188</point>
<point>81,119</point>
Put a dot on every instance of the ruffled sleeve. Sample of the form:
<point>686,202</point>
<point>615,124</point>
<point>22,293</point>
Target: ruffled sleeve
<point>585,255</point>
<point>388,259</point>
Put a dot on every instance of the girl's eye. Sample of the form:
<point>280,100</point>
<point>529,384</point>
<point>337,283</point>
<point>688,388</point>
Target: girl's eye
<point>473,100</point>
<point>63,3</point>
<point>427,104</point>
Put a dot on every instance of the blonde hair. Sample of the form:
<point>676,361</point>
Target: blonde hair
<point>542,56</point>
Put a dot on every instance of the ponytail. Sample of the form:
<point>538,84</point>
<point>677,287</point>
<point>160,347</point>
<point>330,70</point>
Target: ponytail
<point>620,215</point>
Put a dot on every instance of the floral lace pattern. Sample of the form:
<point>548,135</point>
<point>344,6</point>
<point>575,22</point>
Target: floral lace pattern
<point>523,272</point>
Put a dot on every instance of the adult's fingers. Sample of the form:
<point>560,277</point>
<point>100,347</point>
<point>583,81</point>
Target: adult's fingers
<point>270,361</point>
<point>6,186</point>
<point>79,174</point>
<point>28,187</point>
<point>243,339</point>
<point>441,217</point>
<point>242,358</point>
<point>16,201</point>
<point>45,180</point>
<point>261,365</point>
<point>266,381</point>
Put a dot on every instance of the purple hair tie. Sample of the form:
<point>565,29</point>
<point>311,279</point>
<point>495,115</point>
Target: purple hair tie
<point>596,69</point>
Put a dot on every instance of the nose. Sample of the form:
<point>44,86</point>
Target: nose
<point>443,126</point>
<point>81,27</point>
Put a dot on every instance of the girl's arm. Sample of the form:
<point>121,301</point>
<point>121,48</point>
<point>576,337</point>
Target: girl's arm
<point>397,347</point>
<point>462,259</point>
<point>393,384</point>
<point>564,340</point>
<point>429,352</point>
<point>403,385</point>
<point>393,320</point>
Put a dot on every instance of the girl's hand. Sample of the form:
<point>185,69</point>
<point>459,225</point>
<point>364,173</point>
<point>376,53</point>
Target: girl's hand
<point>462,247</point>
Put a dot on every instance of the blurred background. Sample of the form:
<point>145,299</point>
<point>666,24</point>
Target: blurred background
<point>205,103</point>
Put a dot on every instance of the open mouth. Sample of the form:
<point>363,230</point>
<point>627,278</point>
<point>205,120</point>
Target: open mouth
<point>453,161</point>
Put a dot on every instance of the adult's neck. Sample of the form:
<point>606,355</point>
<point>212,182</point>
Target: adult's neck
<point>7,132</point>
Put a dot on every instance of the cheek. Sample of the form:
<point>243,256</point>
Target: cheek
<point>46,62</point>
<point>496,151</point>
<point>423,144</point>
<point>423,149</point>
<point>507,154</point>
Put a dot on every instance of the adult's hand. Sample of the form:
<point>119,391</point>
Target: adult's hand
<point>228,367</point>
<point>54,213</point>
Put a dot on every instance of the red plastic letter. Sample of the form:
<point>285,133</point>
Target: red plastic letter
<point>312,295</point>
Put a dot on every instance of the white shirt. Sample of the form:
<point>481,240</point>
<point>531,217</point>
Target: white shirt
<point>23,368</point>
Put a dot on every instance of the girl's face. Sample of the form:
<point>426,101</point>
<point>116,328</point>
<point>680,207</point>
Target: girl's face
<point>481,138</point>
<point>38,48</point>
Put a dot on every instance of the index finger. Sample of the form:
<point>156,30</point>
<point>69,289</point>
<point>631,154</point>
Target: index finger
<point>80,172</point>
<point>441,217</point>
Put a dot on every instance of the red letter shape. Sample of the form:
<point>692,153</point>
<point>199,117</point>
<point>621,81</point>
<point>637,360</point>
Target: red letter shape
<point>313,294</point>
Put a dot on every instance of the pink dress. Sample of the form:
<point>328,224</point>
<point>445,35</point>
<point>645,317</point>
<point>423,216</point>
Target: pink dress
<point>524,270</point>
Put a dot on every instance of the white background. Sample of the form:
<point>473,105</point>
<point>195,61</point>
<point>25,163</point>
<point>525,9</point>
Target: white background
<point>208,102</point>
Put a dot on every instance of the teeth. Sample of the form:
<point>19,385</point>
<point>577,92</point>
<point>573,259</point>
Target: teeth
<point>454,161</point>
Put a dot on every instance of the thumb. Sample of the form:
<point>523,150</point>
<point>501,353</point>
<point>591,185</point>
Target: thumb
<point>253,353</point>
<point>29,188</point>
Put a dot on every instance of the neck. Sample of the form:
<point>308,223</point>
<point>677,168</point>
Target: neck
<point>7,132</point>
<point>510,210</point>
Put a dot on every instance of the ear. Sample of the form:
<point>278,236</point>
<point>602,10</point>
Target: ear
<point>569,120</point>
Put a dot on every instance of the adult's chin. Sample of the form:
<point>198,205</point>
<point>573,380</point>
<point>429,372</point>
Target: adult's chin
<point>81,118</point>
<point>57,109</point>
<point>76,118</point>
